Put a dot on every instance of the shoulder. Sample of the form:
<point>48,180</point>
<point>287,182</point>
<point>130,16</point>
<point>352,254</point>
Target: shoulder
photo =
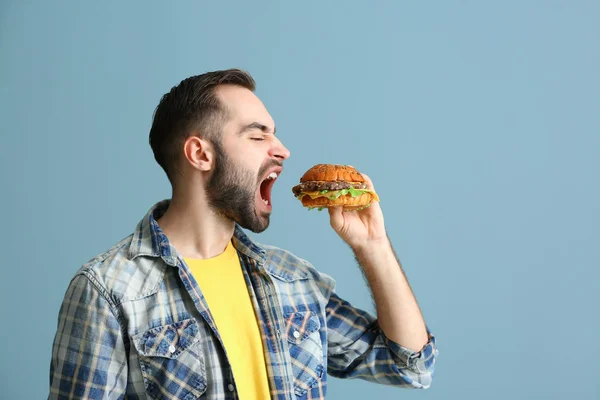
<point>121,277</point>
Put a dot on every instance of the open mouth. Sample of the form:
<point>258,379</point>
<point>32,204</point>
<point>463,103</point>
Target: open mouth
<point>266,186</point>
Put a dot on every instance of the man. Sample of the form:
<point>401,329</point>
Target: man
<point>189,307</point>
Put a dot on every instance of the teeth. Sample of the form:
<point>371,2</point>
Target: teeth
<point>272,175</point>
<point>266,202</point>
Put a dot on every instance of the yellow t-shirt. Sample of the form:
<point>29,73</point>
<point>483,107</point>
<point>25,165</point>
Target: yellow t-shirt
<point>222,283</point>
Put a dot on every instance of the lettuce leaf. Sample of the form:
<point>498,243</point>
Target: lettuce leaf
<point>351,191</point>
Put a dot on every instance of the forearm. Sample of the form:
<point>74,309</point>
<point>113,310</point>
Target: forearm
<point>397,309</point>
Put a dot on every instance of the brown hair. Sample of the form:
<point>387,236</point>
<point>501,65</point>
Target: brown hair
<point>191,108</point>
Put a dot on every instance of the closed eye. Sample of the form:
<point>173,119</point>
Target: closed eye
<point>257,128</point>
<point>258,139</point>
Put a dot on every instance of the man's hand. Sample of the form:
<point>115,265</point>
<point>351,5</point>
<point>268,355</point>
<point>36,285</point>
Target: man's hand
<point>359,228</point>
<point>398,313</point>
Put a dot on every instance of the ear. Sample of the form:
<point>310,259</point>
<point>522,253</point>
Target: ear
<point>199,153</point>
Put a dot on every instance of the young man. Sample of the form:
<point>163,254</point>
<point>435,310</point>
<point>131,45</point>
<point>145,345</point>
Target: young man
<point>189,307</point>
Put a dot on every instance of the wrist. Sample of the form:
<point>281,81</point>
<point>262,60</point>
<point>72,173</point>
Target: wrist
<point>371,248</point>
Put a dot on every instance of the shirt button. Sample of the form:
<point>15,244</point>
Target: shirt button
<point>230,387</point>
<point>296,334</point>
<point>172,349</point>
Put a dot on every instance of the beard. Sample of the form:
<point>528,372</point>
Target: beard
<point>231,192</point>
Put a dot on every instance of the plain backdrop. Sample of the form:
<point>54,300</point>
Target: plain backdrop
<point>477,121</point>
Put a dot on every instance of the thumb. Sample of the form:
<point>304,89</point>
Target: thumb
<point>336,219</point>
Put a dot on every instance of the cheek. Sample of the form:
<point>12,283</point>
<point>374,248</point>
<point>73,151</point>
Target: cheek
<point>248,158</point>
<point>247,172</point>
<point>251,165</point>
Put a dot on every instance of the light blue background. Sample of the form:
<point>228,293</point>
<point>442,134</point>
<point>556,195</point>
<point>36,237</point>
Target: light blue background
<point>477,121</point>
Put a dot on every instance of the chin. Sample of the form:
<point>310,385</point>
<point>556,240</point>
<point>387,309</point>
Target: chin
<point>256,228</point>
<point>258,223</point>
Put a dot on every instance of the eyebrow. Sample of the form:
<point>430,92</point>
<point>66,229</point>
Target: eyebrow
<point>259,126</point>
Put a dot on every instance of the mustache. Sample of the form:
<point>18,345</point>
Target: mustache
<point>270,164</point>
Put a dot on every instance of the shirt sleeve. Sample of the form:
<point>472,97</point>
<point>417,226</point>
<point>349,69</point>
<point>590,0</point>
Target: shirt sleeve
<point>358,348</point>
<point>88,354</point>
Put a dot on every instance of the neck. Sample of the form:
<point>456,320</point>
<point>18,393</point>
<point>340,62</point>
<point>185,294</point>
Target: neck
<point>193,228</point>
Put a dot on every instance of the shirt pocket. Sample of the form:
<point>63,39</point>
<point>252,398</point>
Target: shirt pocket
<point>171,361</point>
<point>306,349</point>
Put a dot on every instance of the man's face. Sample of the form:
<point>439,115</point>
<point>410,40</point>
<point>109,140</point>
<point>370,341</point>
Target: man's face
<point>248,158</point>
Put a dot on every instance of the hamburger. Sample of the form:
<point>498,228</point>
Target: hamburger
<point>332,185</point>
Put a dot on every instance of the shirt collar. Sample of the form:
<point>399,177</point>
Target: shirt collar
<point>149,239</point>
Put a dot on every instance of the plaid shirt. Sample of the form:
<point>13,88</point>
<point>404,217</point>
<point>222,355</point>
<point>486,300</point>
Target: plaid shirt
<point>134,324</point>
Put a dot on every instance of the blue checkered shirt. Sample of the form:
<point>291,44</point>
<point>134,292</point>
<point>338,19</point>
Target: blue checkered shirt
<point>134,325</point>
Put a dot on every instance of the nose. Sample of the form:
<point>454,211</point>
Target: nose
<point>279,151</point>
